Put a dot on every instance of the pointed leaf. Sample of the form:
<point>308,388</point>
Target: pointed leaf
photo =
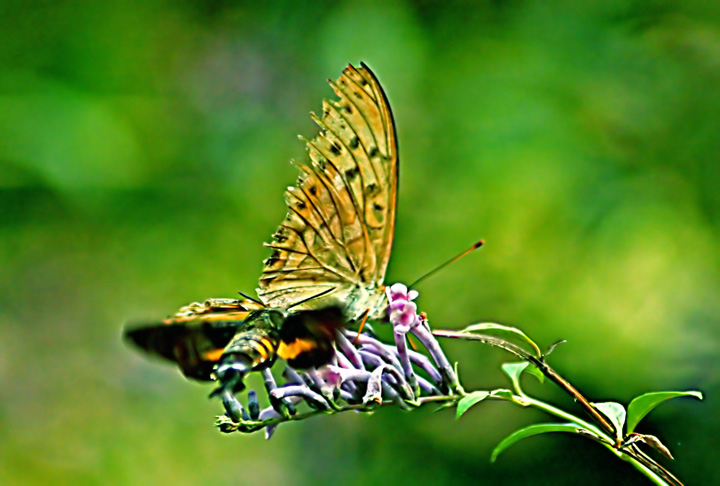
<point>514,370</point>
<point>554,346</point>
<point>535,371</point>
<point>469,400</point>
<point>533,430</point>
<point>616,413</point>
<point>655,443</point>
<point>504,394</point>
<point>644,404</point>
<point>492,326</point>
<point>443,406</point>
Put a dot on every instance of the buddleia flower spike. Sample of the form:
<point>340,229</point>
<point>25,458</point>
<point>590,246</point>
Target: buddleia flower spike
<point>403,315</point>
<point>364,373</point>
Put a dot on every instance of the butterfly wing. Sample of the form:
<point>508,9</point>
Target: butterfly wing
<point>338,232</point>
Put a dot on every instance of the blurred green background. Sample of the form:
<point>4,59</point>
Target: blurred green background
<point>144,149</point>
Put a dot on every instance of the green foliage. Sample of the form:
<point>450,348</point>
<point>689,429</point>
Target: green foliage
<point>645,403</point>
<point>534,371</point>
<point>502,329</point>
<point>469,400</point>
<point>616,413</point>
<point>513,371</point>
<point>530,431</point>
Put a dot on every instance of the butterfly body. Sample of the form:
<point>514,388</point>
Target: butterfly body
<point>329,254</point>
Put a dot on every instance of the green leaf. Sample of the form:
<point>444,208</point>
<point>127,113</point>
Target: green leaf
<point>554,346</point>
<point>644,404</point>
<point>469,400</point>
<point>531,430</point>
<point>456,386</point>
<point>443,406</point>
<point>504,394</point>
<point>616,413</point>
<point>492,326</point>
<point>535,371</point>
<point>514,370</point>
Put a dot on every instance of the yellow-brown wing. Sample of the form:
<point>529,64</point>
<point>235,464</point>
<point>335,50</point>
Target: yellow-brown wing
<point>338,232</point>
<point>196,336</point>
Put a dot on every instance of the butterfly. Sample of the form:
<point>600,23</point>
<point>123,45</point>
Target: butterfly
<point>329,254</point>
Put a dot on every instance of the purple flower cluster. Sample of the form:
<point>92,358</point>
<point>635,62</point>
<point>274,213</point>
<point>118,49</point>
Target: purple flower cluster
<point>363,374</point>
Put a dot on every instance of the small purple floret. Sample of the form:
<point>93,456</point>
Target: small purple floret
<point>402,311</point>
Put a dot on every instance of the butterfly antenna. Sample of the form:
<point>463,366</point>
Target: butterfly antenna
<point>362,325</point>
<point>452,260</point>
<point>412,342</point>
<point>251,298</point>
<point>311,298</point>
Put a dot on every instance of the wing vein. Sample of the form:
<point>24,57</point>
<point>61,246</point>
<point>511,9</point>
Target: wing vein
<point>309,250</point>
<point>360,211</point>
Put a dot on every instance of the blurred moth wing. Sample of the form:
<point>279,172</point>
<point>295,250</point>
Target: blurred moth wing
<point>196,336</point>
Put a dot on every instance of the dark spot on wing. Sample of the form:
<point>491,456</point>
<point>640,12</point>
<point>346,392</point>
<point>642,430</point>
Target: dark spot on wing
<point>351,173</point>
<point>281,235</point>
<point>371,189</point>
<point>274,258</point>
